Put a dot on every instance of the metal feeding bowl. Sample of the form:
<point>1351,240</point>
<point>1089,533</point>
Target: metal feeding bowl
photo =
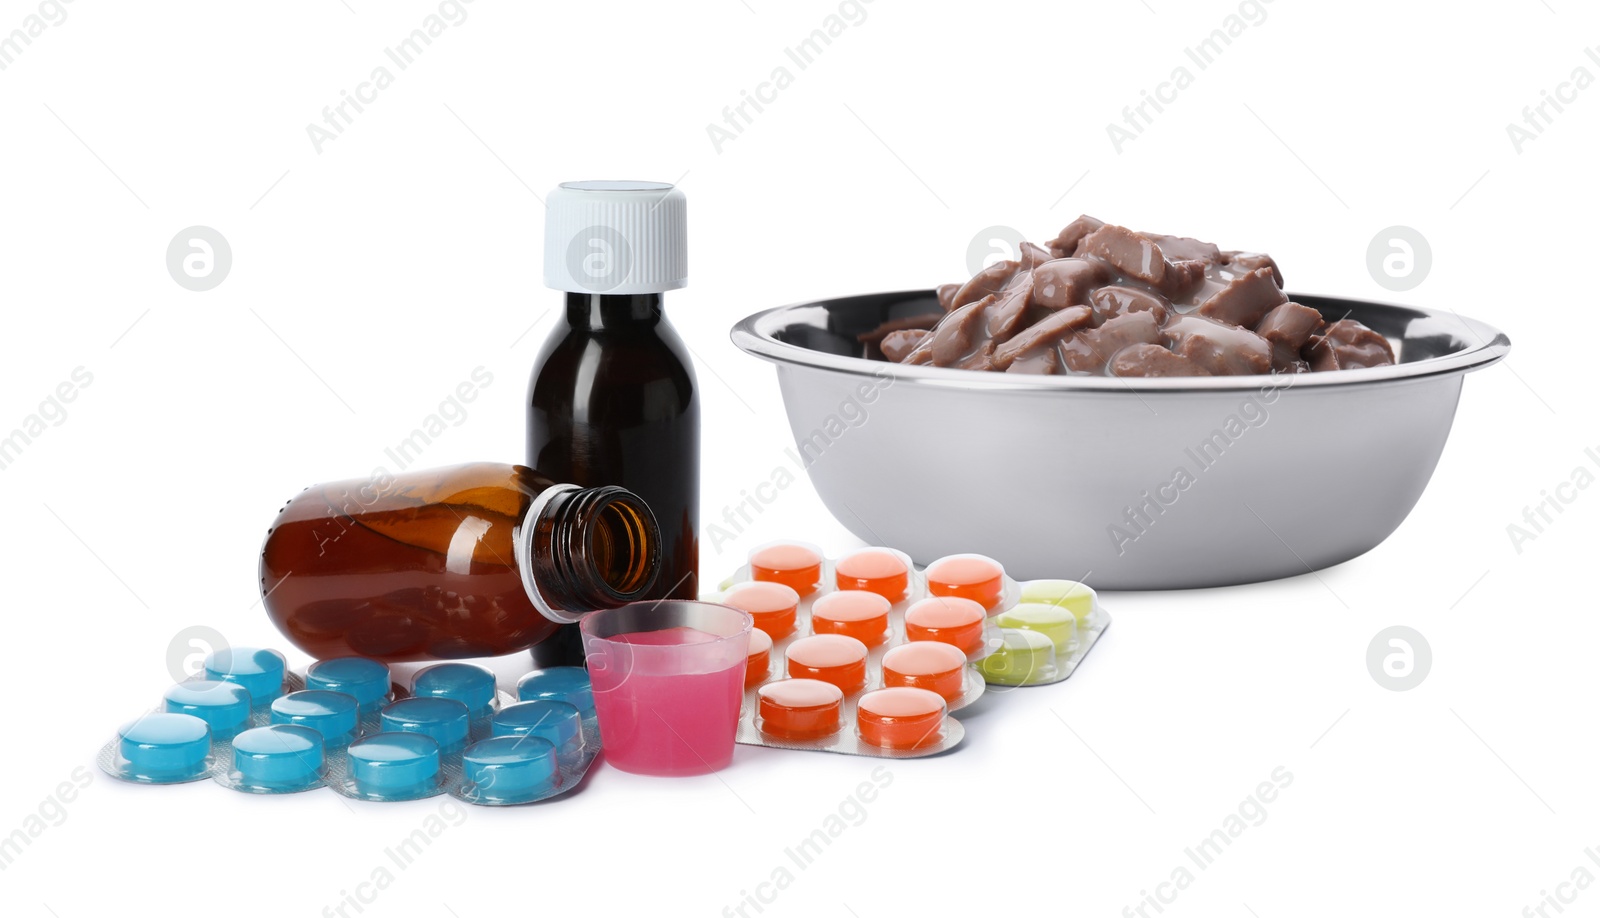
<point>1127,484</point>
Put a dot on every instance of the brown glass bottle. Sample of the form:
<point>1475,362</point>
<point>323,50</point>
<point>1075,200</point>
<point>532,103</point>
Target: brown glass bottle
<point>466,561</point>
<point>613,402</point>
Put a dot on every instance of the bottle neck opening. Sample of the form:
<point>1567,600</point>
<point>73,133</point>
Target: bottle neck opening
<point>587,549</point>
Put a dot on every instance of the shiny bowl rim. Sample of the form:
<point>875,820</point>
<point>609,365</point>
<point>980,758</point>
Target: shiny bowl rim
<point>753,335</point>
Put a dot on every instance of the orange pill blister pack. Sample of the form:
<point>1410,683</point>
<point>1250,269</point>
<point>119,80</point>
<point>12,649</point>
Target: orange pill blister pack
<point>864,654</point>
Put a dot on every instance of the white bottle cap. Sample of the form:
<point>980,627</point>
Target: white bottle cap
<point>615,237</point>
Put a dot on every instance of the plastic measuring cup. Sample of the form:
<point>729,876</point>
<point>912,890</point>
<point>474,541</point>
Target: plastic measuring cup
<point>668,677</point>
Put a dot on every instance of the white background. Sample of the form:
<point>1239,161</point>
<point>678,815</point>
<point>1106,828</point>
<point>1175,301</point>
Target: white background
<point>371,278</point>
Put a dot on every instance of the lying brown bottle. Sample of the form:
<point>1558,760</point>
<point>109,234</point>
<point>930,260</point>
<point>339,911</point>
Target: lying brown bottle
<point>467,561</point>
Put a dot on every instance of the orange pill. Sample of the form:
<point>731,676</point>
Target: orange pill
<point>931,665</point>
<point>860,614</point>
<point>877,569</point>
<point>831,658</point>
<point>800,708</point>
<point>951,619</point>
<point>792,564</point>
<point>772,605</point>
<point>759,663</point>
<point>900,718</point>
<point>973,577</point>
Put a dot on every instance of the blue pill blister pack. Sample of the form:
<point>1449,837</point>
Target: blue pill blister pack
<point>539,746</point>
<point>190,735</point>
<point>456,734</point>
<point>254,727</point>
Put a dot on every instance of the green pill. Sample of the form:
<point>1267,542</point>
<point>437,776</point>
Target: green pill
<point>1058,623</point>
<point>1024,658</point>
<point>1068,594</point>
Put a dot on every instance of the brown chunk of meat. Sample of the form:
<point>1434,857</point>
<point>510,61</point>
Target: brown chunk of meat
<point>1042,333</point>
<point>898,345</point>
<point>1065,245</point>
<point>1249,261</point>
<point>1287,328</point>
<point>1013,311</point>
<point>1291,323</point>
<point>1184,278</point>
<point>1219,349</point>
<point>1128,252</point>
<point>1152,360</point>
<point>1182,248</point>
<point>1018,280</point>
<point>1089,350</point>
<point>947,296</point>
<point>1287,361</point>
<point>955,333</point>
<point>1246,300</point>
<point>1067,282</point>
<point>989,281</point>
<point>1347,345</point>
<point>1033,256</point>
<point>1038,362</point>
<point>960,334</point>
<point>1109,302</point>
<point>902,324</point>
<point>980,359</point>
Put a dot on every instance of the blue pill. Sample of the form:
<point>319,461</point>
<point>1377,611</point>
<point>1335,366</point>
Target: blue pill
<point>224,706</point>
<point>366,680</point>
<point>444,720</point>
<point>163,748</point>
<point>332,714</point>
<point>394,763</point>
<point>559,683</point>
<point>554,721</point>
<point>471,685</point>
<point>279,757</point>
<point>260,671</point>
<point>510,769</point>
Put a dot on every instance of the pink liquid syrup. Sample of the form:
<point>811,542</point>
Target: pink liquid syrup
<point>665,707</point>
